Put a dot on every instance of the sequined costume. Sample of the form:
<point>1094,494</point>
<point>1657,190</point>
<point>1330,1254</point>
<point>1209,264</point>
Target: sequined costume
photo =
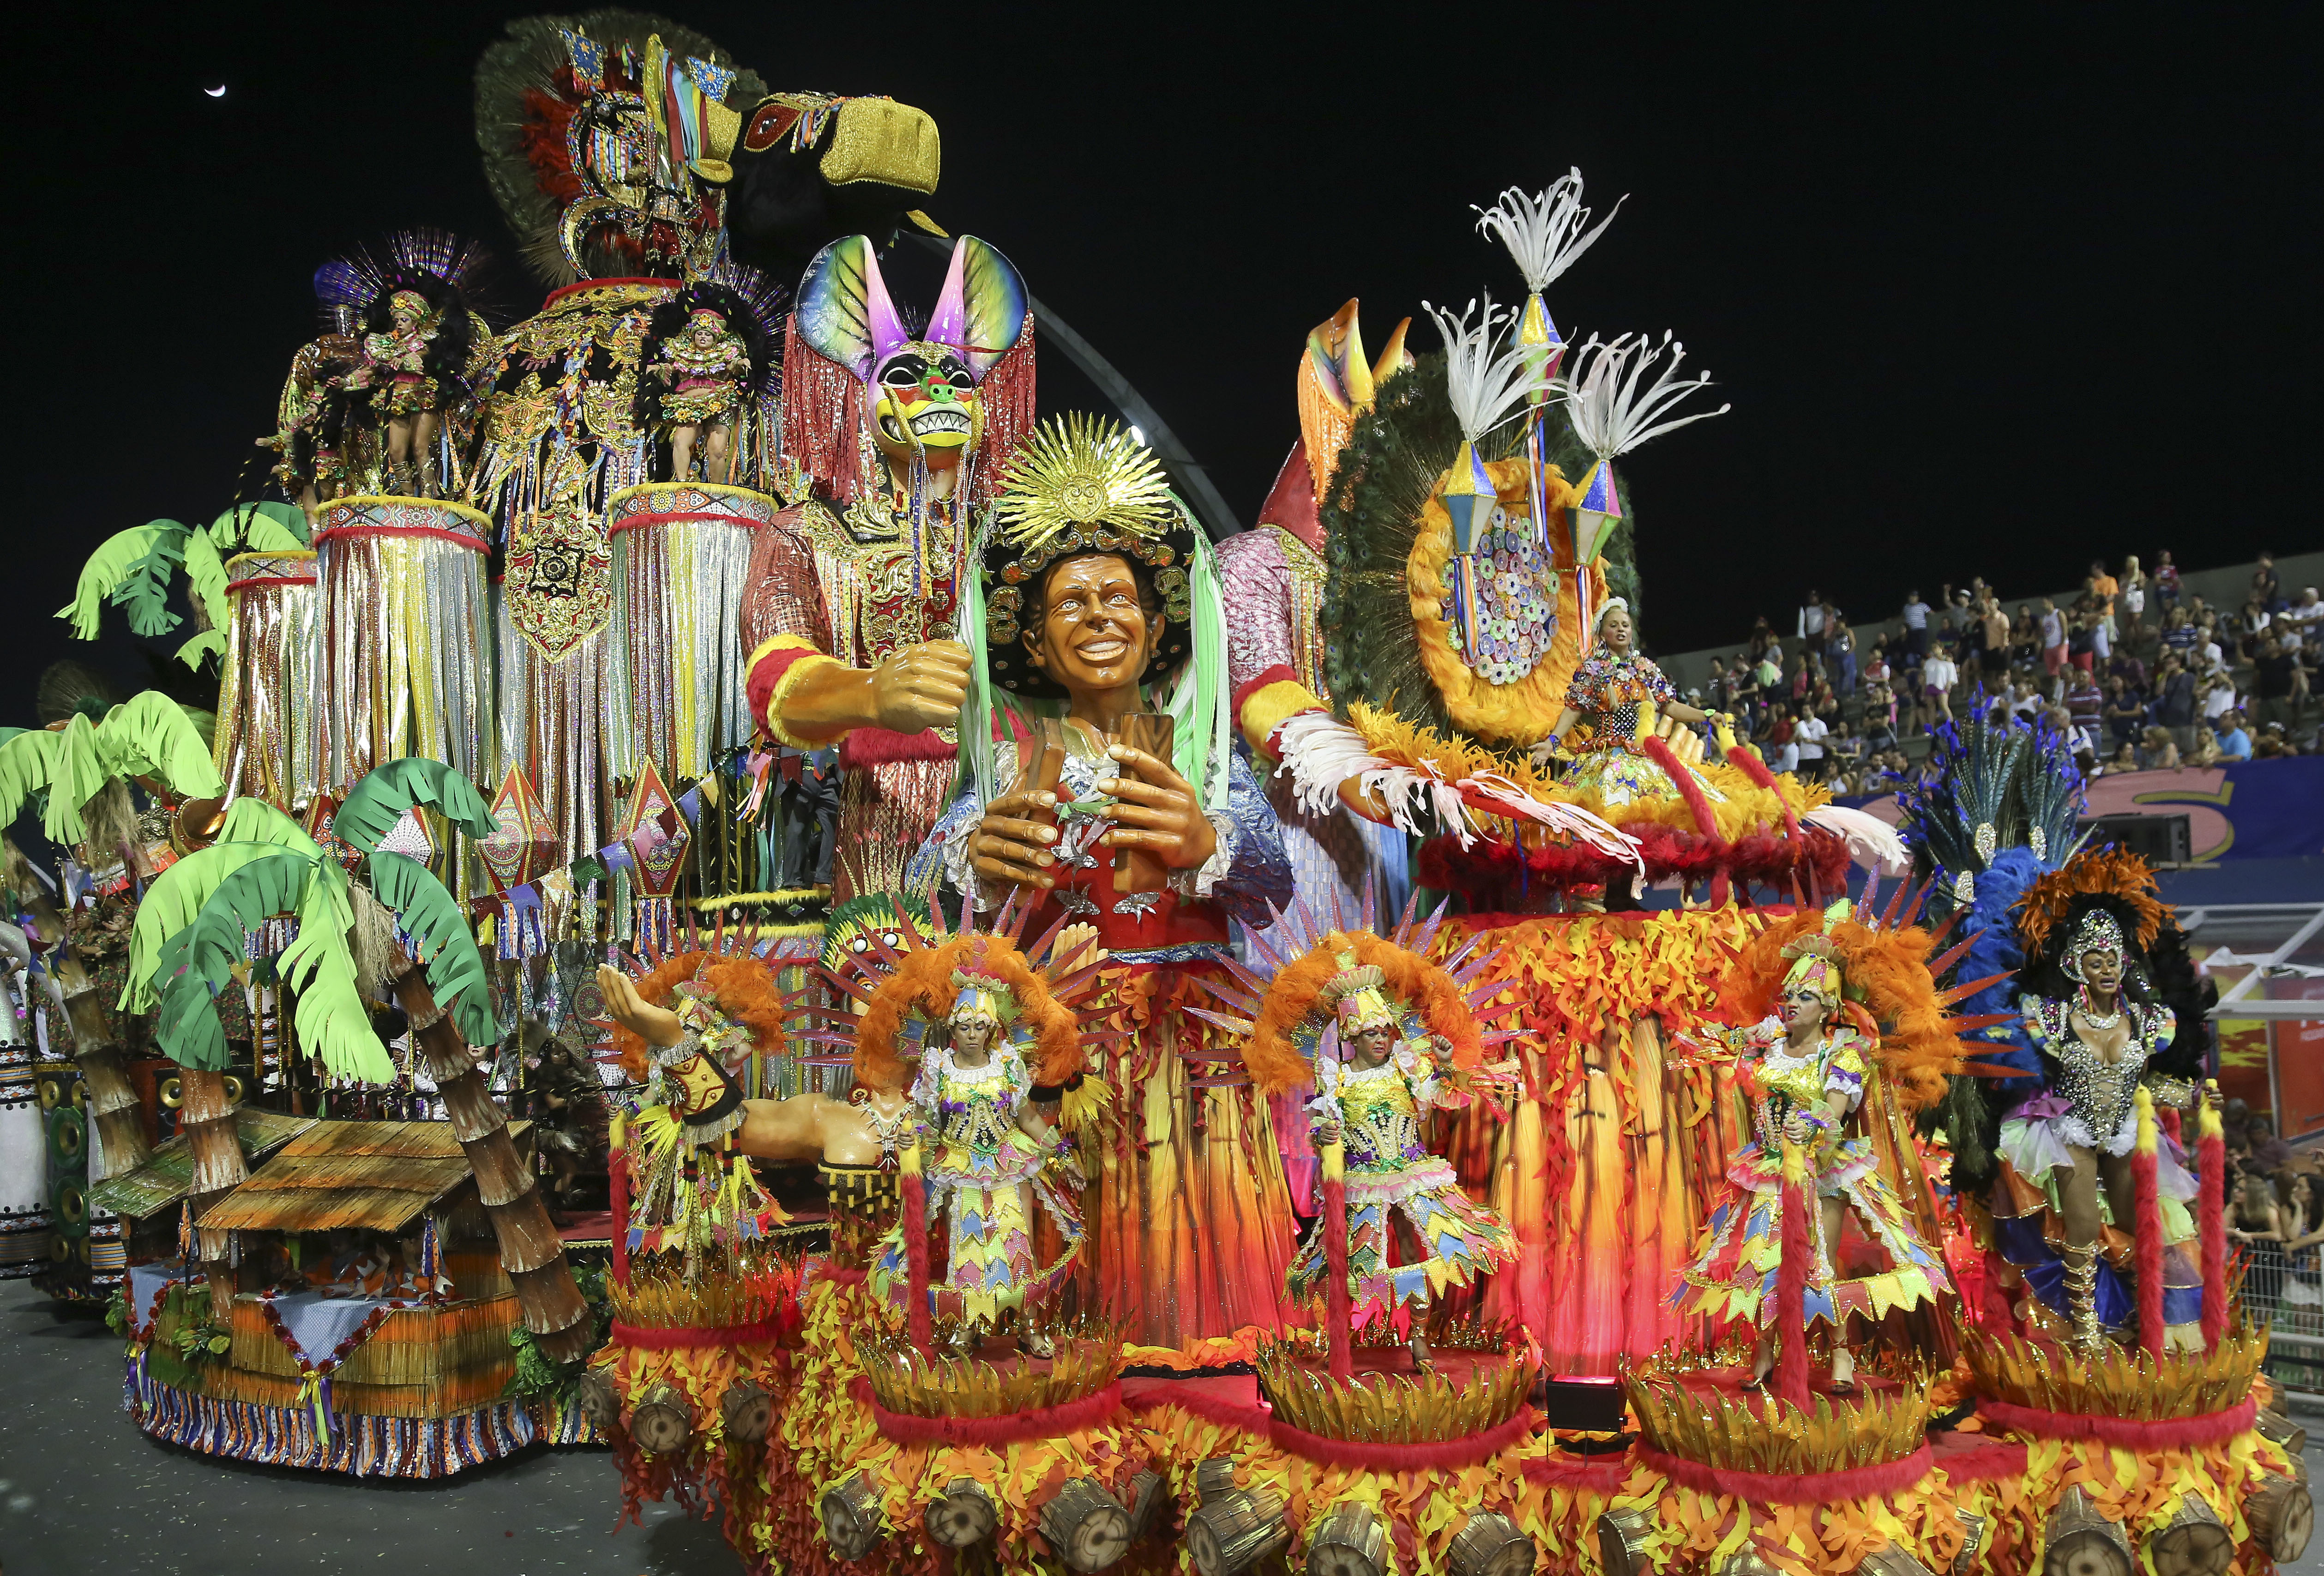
<point>1193,1223</point>
<point>707,382</point>
<point>2090,1104</point>
<point>1733,1275</point>
<point>979,1170</point>
<point>855,584</point>
<point>1609,692</point>
<point>687,1190</point>
<point>1389,1169</point>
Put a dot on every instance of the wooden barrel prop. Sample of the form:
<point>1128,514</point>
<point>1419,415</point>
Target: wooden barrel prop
<point>1746,1561</point>
<point>2080,1542</point>
<point>1351,1542</point>
<point>1234,1529</point>
<point>1891,1561</point>
<point>1086,1526</point>
<point>405,635</point>
<point>1622,1544</point>
<point>2194,1543</point>
<point>851,1522</point>
<point>662,1419</point>
<point>747,1411</point>
<point>593,1392</point>
<point>2273,1424</point>
<point>1213,1477</point>
<point>1490,1545</point>
<point>269,717</point>
<point>965,1515</point>
<point>2282,1517</point>
<point>1149,1493</point>
<point>1972,1528</point>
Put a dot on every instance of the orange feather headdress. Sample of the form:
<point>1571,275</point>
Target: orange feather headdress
<point>2113,873</point>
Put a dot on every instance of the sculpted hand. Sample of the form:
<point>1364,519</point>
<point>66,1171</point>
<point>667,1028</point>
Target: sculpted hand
<point>1010,845</point>
<point>656,1026</point>
<point>920,686</point>
<point>1156,810</point>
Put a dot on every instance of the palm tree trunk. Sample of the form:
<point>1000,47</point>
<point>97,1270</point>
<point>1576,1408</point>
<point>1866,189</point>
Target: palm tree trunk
<point>207,1122</point>
<point>530,1249</point>
<point>113,1103</point>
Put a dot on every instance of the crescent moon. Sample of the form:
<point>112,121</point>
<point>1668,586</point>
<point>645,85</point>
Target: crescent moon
<point>216,92</point>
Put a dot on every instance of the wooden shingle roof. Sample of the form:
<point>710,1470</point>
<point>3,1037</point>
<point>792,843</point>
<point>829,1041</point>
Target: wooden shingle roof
<point>373,1177</point>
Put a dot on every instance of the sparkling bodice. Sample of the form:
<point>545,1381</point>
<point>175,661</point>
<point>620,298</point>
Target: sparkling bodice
<point>1379,1120</point>
<point>2100,1092</point>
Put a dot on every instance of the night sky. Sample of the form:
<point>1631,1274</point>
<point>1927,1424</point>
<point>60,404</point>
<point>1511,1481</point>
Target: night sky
<point>1989,292</point>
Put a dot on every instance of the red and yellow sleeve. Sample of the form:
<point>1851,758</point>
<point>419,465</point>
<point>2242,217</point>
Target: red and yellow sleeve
<point>775,669</point>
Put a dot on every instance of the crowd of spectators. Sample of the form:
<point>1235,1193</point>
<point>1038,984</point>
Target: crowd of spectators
<point>2139,669</point>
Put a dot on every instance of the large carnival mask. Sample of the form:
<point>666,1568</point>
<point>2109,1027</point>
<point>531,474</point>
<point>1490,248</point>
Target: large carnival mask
<point>923,390</point>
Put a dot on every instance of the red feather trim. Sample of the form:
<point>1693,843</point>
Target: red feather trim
<point>2149,1248</point>
<point>1442,1455</point>
<point>2129,1433</point>
<point>2211,1160</point>
<point>547,119</point>
<point>915,1190</point>
<point>881,747</point>
<point>679,1338</point>
<point>1705,821</point>
<point>1339,1320</point>
<point>617,1178</point>
<point>1789,1326</point>
<point>1746,760</point>
<point>1874,1482</point>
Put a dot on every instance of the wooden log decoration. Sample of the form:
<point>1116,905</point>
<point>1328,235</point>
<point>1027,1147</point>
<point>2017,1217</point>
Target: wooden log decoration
<point>2194,1543</point>
<point>1490,1545</point>
<point>1622,1544</point>
<point>2080,1542</point>
<point>1972,1528</point>
<point>1888,1560</point>
<point>2282,1517</point>
<point>747,1411</point>
<point>1351,1542</point>
<point>2273,1424</point>
<point>1149,1494</point>
<point>1236,1528</point>
<point>852,1523</point>
<point>662,1419</point>
<point>1746,1561</point>
<point>593,1392</point>
<point>1086,1526</point>
<point>963,1517</point>
<point>1212,1477</point>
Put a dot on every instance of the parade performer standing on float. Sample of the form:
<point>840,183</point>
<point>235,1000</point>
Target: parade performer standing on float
<point>1806,1069</point>
<point>851,617</point>
<point>2093,1015</point>
<point>1097,608</point>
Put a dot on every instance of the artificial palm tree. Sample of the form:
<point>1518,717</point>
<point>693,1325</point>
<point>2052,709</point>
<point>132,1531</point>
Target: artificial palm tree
<point>132,569</point>
<point>401,931</point>
<point>85,768</point>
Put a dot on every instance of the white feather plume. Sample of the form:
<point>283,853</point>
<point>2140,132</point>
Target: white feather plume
<point>1545,233</point>
<point>1485,372</point>
<point>1612,406</point>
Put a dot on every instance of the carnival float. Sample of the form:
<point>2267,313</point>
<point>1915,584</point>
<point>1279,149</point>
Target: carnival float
<point>749,897</point>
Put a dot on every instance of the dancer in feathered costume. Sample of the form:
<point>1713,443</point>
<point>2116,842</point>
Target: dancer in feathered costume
<point>851,618</point>
<point>708,354</point>
<point>959,1042</point>
<point>1386,1036</point>
<point>1098,607</point>
<point>1996,827</point>
<point>1806,1068</point>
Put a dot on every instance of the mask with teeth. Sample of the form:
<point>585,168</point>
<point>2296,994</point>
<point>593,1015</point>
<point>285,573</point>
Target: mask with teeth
<point>928,403</point>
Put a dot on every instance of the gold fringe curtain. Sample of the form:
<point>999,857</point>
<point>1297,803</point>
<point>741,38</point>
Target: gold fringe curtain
<point>406,666</point>
<point>270,741</point>
<point>681,562</point>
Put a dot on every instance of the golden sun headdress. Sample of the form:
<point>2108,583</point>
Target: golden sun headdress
<point>1080,485</point>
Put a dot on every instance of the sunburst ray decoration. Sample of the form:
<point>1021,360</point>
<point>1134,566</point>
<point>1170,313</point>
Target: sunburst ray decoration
<point>2117,1382</point>
<point>1881,1423</point>
<point>1394,1409</point>
<point>1085,1357</point>
<point>1082,474</point>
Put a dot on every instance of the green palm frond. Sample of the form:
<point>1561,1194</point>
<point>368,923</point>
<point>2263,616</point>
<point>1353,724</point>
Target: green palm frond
<point>441,939</point>
<point>261,527</point>
<point>198,962</point>
<point>332,1020</point>
<point>174,903</point>
<point>151,736</point>
<point>28,762</point>
<point>202,647</point>
<point>143,590</point>
<point>253,820</point>
<point>379,801</point>
<point>109,569</point>
<point>78,776</point>
<point>206,578</point>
